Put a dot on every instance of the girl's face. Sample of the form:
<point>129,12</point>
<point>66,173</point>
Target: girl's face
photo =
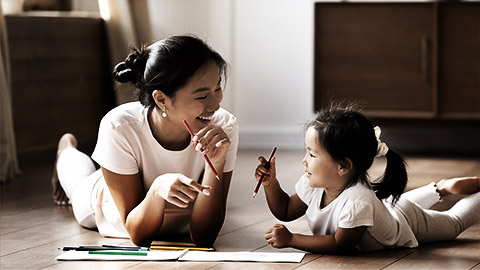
<point>321,170</point>
<point>198,100</point>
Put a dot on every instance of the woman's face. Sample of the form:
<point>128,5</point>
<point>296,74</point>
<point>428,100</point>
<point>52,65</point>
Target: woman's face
<point>198,100</point>
<point>321,169</point>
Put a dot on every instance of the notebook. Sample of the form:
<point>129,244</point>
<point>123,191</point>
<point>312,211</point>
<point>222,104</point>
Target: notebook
<point>73,255</point>
<point>186,255</point>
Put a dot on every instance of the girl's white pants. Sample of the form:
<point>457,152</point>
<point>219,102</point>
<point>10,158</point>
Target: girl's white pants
<point>431,225</point>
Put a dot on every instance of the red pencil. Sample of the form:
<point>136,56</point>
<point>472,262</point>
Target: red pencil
<point>204,155</point>
<point>267,166</point>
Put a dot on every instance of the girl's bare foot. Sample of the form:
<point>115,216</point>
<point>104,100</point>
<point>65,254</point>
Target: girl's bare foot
<point>460,185</point>
<point>58,194</point>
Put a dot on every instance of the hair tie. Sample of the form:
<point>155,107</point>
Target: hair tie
<point>139,55</point>
<point>382,148</point>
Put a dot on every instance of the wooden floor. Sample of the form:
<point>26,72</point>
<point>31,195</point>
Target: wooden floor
<point>32,228</point>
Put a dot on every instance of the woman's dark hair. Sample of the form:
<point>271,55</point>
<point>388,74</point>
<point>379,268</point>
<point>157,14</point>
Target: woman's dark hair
<point>166,65</point>
<point>344,133</point>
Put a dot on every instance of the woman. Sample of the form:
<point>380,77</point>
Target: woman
<point>152,182</point>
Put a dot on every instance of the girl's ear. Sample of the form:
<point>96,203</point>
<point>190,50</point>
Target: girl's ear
<point>159,97</point>
<point>344,167</point>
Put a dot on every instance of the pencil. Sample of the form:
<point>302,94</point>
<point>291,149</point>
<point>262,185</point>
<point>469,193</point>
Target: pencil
<point>204,155</point>
<point>267,166</point>
<point>180,248</point>
<point>104,247</point>
<point>116,247</point>
<point>111,252</point>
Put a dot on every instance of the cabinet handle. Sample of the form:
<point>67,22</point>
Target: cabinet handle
<point>424,58</point>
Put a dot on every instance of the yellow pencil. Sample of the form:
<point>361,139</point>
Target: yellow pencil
<point>180,248</point>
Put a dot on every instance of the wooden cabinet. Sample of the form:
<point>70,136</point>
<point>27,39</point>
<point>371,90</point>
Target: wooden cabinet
<point>61,79</point>
<point>459,60</point>
<point>399,59</point>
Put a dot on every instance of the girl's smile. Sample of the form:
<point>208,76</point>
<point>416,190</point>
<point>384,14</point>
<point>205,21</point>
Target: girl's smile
<point>321,170</point>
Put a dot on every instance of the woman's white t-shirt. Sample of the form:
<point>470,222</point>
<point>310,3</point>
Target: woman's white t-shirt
<point>126,145</point>
<point>356,206</point>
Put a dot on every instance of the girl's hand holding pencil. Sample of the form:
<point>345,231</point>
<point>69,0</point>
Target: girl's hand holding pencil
<point>266,171</point>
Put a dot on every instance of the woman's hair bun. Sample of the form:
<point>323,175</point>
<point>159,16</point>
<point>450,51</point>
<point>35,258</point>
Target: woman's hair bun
<point>131,70</point>
<point>122,73</point>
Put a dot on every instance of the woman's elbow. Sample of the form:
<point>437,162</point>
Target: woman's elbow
<point>139,241</point>
<point>204,241</point>
<point>204,238</point>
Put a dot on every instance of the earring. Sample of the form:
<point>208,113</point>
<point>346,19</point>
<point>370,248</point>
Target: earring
<point>164,112</point>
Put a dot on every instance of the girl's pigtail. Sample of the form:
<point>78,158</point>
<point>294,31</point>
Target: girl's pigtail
<point>394,179</point>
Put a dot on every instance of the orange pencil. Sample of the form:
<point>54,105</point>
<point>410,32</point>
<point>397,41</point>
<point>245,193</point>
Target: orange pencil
<point>204,155</point>
<point>267,166</point>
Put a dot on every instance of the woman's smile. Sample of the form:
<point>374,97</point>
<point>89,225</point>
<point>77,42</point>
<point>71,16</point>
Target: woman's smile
<point>205,119</point>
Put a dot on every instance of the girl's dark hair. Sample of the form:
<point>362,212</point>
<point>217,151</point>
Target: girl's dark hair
<point>166,65</point>
<point>344,133</point>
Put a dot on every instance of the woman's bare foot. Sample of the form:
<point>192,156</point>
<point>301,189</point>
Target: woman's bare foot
<point>460,185</point>
<point>58,194</point>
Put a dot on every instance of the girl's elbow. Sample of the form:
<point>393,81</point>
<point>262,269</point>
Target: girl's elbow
<point>345,248</point>
<point>280,215</point>
<point>282,218</point>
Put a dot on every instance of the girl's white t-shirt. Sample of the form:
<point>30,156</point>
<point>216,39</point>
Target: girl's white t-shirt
<point>356,206</point>
<point>126,145</point>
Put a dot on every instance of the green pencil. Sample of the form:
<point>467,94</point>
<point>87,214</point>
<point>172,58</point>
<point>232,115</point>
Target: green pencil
<point>112,252</point>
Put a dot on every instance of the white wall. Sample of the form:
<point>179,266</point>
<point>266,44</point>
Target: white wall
<point>273,53</point>
<point>269,45</point>
<point>208,19</point>
<point>85,5</point>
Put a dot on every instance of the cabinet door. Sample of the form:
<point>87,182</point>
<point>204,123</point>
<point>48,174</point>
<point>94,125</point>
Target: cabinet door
<point>376,53</point>
<point>459,60</point>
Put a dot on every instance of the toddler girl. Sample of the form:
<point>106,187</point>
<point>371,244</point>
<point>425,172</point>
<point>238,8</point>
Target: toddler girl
<point>345,210</point>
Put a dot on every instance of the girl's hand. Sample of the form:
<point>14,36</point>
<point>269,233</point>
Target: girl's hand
<point>213,141</point>
<point>459,185</point>
<point>178,189</point>
<point>278,236</point>
<point>269,174</point>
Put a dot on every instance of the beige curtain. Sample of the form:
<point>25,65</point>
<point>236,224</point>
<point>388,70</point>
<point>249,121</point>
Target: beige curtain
<point>8,153</point>
<point>122,27</point>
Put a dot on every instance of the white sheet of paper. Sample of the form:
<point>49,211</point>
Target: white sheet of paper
<point>203,256</point>
<point>73,255</point>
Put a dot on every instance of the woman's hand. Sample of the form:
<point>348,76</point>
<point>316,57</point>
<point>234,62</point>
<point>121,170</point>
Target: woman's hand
<point>178,189</point>
<point>213,141</point>
<point>278,236</point>
<point>268,174</point>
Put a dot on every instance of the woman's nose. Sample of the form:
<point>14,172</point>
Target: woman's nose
<point>213,104</point>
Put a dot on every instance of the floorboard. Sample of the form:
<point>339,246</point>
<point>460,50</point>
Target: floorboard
<point>32,228</point>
